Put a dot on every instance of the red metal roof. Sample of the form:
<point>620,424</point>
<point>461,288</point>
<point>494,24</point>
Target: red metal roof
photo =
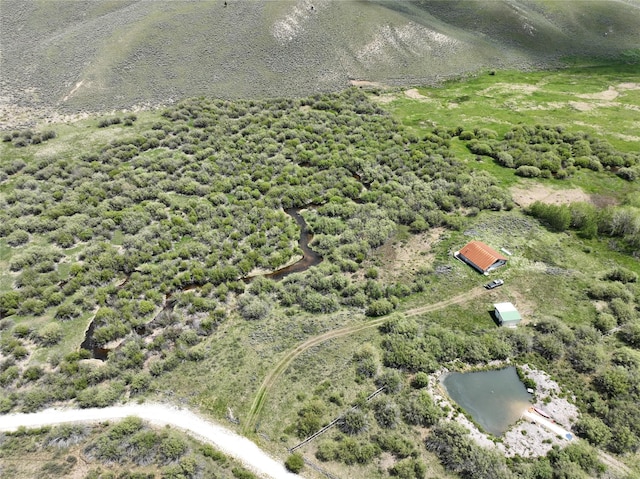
<point>481,255</point>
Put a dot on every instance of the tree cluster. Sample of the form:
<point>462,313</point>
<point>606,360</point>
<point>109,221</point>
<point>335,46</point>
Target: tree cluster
<point>620,222</point>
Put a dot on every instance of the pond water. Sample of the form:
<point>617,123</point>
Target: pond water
<point>495,399</point>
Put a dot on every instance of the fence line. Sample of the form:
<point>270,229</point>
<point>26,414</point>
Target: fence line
<point>333,423</point>
<point>314,466</point>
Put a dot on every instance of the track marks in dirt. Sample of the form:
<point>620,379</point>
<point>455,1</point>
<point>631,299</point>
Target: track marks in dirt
<point>273,376</point>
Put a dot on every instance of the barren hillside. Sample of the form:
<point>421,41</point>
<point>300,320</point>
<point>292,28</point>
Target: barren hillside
<point>82,55</point>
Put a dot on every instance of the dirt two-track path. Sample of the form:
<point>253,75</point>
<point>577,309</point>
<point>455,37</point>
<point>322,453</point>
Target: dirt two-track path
<point>282,365</point>
<point>224,439</point>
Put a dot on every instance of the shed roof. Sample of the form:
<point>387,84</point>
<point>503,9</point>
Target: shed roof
<point>508,311</point>
<point>480,254</point>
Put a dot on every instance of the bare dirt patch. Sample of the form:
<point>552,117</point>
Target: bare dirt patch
<point>508,87</point>
<point>406,257</point>
<point>608,95</point>
<point>581,105</point>
<point>386,98</point>
<point>366,83</point>
<point>415,95</point>
<point>525,306</point>
<point>628,86</point>
<point>526,196</point>
<point>627,137</point>
<point>73,90</point>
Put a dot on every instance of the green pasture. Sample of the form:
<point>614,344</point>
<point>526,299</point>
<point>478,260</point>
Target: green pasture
<point>574,98</point>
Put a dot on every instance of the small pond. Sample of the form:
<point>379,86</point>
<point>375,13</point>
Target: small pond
<point>495,399</point>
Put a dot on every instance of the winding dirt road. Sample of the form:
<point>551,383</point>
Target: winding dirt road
<point>283,364</point>
<point>222,438</point>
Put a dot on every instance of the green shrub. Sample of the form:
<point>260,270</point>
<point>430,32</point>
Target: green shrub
<point>420,410</point>
<point>66,435</point>
<point>396,444</point>
<point>479,148</point>
<point>17,238</point>
<point>32,373</point>
<point>466,135</point>
<point>172,448</point>
<point>21,331</point>
<point>32,306</point>
<point>408,469</point>
<point>50,334</point>
<point>622,274</point>
<point>630,334</point>
<point>379,307</point>
<point>253,308</point>
<point>593,429</point>
<point>420,380</point>
<point>608,291</point>
<point>391,380</point>
<point>9,375</point>
<point>629,174</point>
<point>9,303</point>
<point>100,396</point>
<point>527,171</point>
<point>309,419</point>
<point>294,463</point>
<point>241,473</point>
<point>622,311</point>
<point>208,451</point>
<point>353,422</point>
<point>371,273</point>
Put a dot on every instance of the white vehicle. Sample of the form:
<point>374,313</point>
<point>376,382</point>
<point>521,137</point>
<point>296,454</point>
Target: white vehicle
<point>494,284</point>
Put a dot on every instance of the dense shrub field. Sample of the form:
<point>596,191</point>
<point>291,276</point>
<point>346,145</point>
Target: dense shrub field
<point>128,449</point>
<point>162,234</point>
<point>156,230</point>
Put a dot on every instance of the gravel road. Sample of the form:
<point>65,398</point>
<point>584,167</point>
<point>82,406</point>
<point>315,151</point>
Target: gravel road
<point>224,439</point>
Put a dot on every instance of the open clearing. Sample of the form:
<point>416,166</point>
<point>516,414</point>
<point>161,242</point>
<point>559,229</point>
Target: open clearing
<point>579,99</point>
<point>526,195</point>
<point>271,379</point>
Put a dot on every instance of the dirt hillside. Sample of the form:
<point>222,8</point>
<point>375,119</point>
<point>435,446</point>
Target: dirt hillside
<point>73,56</point>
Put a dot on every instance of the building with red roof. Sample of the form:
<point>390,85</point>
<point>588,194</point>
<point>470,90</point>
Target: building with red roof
<point>481,256</point>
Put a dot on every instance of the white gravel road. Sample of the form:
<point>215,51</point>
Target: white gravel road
<point>222,438</point>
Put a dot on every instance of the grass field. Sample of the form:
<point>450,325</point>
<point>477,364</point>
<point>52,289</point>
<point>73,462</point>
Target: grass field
<point>599,100</point>
<point>603,101</point>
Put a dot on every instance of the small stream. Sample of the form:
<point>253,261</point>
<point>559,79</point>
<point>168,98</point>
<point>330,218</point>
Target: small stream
<point>90,345</point>
<point>309,258</point>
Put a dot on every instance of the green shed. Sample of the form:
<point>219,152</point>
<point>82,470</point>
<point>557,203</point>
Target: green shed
<point>507,315</point>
